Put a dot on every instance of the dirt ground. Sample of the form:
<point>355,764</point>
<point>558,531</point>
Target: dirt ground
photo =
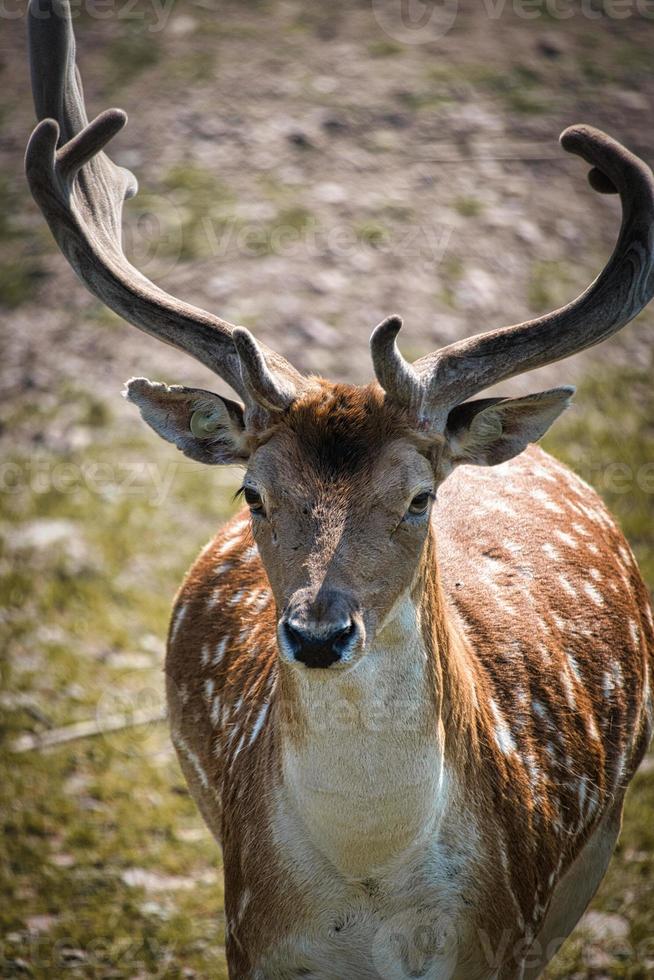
<point>305,170</point>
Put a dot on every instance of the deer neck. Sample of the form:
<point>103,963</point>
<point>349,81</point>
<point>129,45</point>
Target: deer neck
<point>364,753</point>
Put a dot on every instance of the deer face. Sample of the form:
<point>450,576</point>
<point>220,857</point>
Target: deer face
<point>340,498</point>
<point>340,486</point>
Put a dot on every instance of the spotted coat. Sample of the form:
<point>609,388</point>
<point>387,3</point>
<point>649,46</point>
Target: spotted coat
<point>540,636</point>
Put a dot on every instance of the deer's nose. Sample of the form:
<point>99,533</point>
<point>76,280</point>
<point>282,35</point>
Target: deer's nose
<point>320,633</point>
<point>322,648</point>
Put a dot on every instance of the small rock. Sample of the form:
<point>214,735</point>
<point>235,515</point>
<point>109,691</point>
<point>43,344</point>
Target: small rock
<point>40,923</point>
<point>129,661</point>
<point>335,125</point>
<point>153,882</point>
<point>63,860</point>
<point>299,138</point>
<point>73,955</point>
<point>398,120</point>
<point>331,193</point>
<point>597,958</point>
<point>182,25</point>
<point>528,232</point>
<point>549,46</point>
<point>632,100</point>
<point>190,835</point>
<point>43,533</point>
<point>326,84</point>
<point>605,925</point>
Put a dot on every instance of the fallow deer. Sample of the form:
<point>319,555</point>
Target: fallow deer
<point>409,720</point>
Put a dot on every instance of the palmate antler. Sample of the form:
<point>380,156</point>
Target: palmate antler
<point>81,192</point>
<point>436,383</point>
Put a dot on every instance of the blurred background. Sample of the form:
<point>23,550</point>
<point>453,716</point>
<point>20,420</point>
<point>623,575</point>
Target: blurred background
<point>305,170</point>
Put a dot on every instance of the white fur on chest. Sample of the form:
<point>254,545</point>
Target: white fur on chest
<point>367,825</point>
<point>367,782</point>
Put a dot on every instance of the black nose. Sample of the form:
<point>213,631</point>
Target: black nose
<point>319,647</point>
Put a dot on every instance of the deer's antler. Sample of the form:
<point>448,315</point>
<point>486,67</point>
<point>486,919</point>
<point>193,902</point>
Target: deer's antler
<point>436,383</point>
<point>81,192</point>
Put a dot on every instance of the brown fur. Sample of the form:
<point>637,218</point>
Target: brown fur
<point>533,613</point>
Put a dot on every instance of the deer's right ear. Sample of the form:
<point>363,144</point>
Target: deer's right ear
<point>206,427</point>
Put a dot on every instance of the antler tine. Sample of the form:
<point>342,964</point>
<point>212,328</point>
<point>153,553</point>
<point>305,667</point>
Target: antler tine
<point>449,376</point>
<point>81,193</point>
<point>616,296</point>
<point>394,373</point>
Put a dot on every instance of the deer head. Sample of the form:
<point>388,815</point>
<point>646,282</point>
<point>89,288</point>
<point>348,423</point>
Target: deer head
<point>339,480</point>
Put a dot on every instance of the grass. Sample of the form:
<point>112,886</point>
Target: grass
<point>468,207</point>
<point>549,285</point>
<point>105,866</point>
<point>21,269</point>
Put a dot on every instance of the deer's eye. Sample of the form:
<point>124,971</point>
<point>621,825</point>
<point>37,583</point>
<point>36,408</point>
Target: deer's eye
<point>420,503</point>
<point>253,500</point>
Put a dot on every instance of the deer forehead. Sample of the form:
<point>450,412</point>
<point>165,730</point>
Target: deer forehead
<point>344,443</point>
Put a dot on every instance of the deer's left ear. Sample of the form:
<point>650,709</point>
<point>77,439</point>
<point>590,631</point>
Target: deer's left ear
<point>206,427</point>
<point>491,430</point>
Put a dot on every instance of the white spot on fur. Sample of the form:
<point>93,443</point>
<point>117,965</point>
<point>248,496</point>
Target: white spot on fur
<point>244,902</point>
<point>236,597</point>
<point>626,555</point>
<point>567,586</point>
<point>574,667</point>
<point>559,622</point>
<point>235,537</point>
<point>238,748</point>
<point>502,733</point>
<point>591,725</point>
<point>543,474</point>
<point>225,566</point>
<point>215,710</point>
<point>566,538</point>
<point>593,594</point>
<point>182,745</point>
<point>250,553</point>
<point>204,655</point>
<point>634,633</point>
<point>258,725</point>
<point>551,552</point>
<point>178,619</point>
<point>220,651</point>
<point>262,601</point>
<point>539,494</point>
<point>209,686</point>
<point>608,685</point>
<point>568,688</point>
